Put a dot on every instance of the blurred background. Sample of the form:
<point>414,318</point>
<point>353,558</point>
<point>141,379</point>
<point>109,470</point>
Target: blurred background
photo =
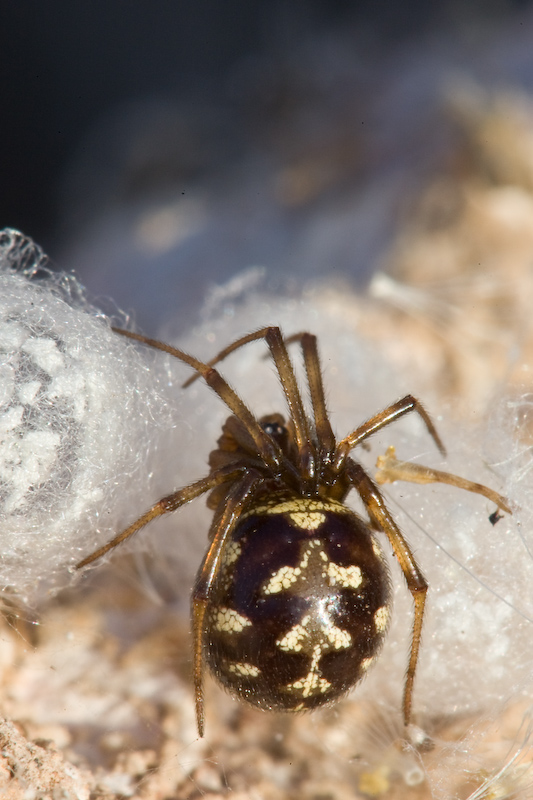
<point>161,148</point>
<point>363,170</point>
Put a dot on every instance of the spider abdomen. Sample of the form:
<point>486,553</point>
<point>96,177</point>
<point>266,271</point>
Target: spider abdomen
<point>301,604</point>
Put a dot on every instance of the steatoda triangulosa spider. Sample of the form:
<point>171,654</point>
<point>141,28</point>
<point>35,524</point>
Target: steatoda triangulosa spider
<point>292,602</point>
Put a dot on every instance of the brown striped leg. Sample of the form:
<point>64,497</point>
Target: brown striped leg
<point>266,447</point>
<point>278,350</point>
<point>168,504</point>
<point>324,432</point>
<point>390,414</point>
<point>416,583</point>
<point>390,470</point>
<point>221,529</point>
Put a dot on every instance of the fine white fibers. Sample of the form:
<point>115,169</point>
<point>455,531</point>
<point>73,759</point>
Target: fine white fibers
<point>79,409</point>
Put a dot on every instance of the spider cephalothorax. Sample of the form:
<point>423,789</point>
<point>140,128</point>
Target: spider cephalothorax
<point>292,601</point>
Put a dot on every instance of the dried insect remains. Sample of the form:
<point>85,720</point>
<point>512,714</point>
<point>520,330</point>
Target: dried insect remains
<point>292,601</point>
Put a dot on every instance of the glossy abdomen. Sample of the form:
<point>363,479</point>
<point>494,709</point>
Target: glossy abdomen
<point>301,605</point>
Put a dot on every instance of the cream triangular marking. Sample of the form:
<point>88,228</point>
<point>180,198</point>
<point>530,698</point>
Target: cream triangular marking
<point>381,619</point>
<point>350,577</point>
<point>313,638</point>
<point>347,577</point>
<point>286,576</point>
<point>228,620</point>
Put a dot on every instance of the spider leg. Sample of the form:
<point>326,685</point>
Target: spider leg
<point>236,345</point>
<point>221,529</point>
<point>168,504</point>
<point>385,417</point>
<point>324,432</point>
<point>283,363</point>
<point>390,470</point>
<point>267,448</point>
<point>278,350</point>
<point>416,583</point>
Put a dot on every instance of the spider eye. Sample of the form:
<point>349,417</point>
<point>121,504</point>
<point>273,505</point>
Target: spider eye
<point>274,429</point>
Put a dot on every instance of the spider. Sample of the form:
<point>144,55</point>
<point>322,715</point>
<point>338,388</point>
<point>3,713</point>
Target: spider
<point>291,604</point>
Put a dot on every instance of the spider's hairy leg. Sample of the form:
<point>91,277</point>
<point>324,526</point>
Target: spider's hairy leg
<point>226,517</point>
<point>416,583</point>
<point>324,432</point>
<point>390,414</point>
<point>283,363</point>
<point>390,470</point>
<point>278,350</point>
<point>267,448</point>
<point>255,336</point>
<point>166,505</point>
